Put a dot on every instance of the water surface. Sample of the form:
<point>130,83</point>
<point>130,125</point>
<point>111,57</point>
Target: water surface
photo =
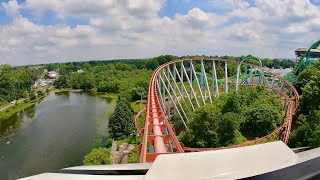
<point>54,134</point>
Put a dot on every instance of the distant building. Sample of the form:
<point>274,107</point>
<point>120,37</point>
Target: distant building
<point>53,74</point>
<point>314,53</point>
<point>282,72</point>
<point>39,83</point>
<point>80,71</point>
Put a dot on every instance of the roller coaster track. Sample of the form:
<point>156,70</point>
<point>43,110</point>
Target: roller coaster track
<point>168,86</point>
<point>305,61</point>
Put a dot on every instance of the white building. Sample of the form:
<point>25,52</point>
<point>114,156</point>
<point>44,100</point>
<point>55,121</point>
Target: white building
<point>53,74</point>
<point>80,71</point>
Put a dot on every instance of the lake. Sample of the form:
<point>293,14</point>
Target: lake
<point>55,133</point>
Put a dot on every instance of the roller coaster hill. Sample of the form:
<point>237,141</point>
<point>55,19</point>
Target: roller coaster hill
<point>179,80</point>
<point>196,82</point>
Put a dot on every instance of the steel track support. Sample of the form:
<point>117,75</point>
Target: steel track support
<point>225,77</point>
<point>191,88</point>
<point>238,74</point>
<point>184,88</point>
<point>196,78</point>
<point>175,96</point>
<point>185,125</point>
<point>206,81</point>
<point>215,79</point>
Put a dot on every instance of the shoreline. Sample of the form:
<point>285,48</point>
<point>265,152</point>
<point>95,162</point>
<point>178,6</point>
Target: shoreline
<point>9,131</point>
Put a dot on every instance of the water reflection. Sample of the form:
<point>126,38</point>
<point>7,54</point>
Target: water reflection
<point>54,134</point>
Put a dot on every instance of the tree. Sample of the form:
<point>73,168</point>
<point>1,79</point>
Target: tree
<point>40,93</point>
<point>203,127</point>
<point>228,130</point>
<point>311,94</point>
<point>97,156</point>
<point>121,121</point>
<point>261,120</point>
<point>32,96</point>
<point>25,94</point>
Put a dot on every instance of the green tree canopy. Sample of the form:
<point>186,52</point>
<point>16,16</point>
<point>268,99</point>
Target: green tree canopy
<point>121,121</point>
<point>97,156</point>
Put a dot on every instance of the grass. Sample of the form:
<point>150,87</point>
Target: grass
<point>17,108</point>
<point>55,90</point>
<point>137,105</point>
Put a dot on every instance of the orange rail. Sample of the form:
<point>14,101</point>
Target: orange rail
<point>158,134</point>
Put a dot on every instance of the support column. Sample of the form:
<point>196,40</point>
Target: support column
<point>225,77</point>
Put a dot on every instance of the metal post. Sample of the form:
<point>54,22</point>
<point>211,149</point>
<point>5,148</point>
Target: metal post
<point>200,92</point>
<point>238,74</point>
<point>184,88</point>
<point>184,123</point>
<point>272,82</point>
<point>164,97</point>
<point>168,107</point>
<point>206,81</point>
<point>181,80</point>
<point>190,83</point>
<point>175,97</point>
<point>175,85</point>
<point>174,79</point>
<point>225,77</point>
<point>214,74</point>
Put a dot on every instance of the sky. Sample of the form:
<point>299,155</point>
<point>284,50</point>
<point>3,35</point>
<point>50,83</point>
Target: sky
<point>46,31</point>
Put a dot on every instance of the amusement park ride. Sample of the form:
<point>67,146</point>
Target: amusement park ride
<point>161,154</point>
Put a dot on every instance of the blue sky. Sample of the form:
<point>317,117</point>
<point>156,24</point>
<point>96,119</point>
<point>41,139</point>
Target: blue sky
<point>38,31</point>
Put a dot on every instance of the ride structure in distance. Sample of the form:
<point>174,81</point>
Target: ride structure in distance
<point>305,61</point>
<point>178,81</point>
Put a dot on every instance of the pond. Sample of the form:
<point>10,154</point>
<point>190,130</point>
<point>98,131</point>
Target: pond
<point>55,133</point>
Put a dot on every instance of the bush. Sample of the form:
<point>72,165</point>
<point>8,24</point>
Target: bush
<point>98,156</point>
<point>32,96</point>
<point>40,93</point>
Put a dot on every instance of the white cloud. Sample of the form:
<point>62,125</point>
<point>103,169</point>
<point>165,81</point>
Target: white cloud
<point>230,4</point>
<point>133,29</point>
<point>11,7</point>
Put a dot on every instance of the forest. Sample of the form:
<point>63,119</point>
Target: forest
<point>306,128</point>
<point>16,83</point>
<point>232,118</point>
<point>129,79</point>
<point>103,76</point>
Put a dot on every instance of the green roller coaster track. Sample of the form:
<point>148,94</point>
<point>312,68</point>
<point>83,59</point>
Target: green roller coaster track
<point>292,77</point>
<point>243,78</point>
<point>303,64</point>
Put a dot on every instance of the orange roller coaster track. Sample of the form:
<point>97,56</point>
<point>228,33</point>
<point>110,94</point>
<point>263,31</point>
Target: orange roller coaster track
<point>158,135</point>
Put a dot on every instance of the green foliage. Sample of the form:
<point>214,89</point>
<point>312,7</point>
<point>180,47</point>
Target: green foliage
<point>308,74</point>
<point>98,156</point>
<point>260,120</point>
<point>121,121</point>
<point>32,96</point>
<point>307,132</point>
<point>40,93</point>
<point>310,98</point>
<point>99,142</point>
<point>232,118</point>
<point>229,129</point>
<point>16,82</point>
<point>204,126</point>
<point>133,156</point>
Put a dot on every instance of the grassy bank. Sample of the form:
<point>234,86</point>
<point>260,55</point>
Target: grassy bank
<point>18,107</point>
<point>65,90</point>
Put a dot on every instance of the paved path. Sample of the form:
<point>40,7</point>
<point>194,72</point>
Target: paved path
<point>9,105</point>
<point>121,155</point>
